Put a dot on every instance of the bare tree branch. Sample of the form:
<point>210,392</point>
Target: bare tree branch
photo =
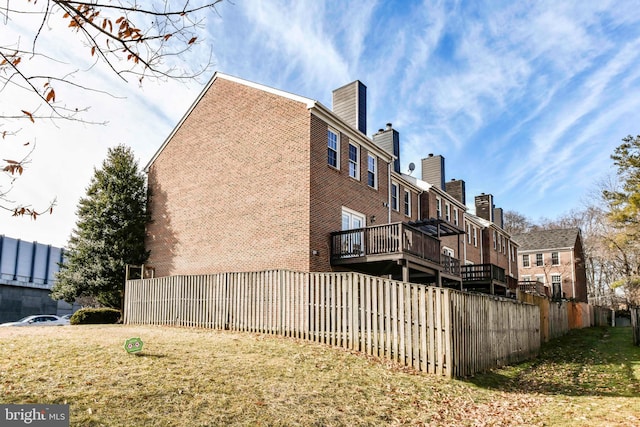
<point>126,37</point>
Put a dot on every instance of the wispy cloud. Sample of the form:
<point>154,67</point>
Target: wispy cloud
<point>526,100</point>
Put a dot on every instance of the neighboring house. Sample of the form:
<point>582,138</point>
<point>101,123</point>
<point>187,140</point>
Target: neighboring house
<point>554,258</point>
<point>27,274</point>
<point>254,178</point>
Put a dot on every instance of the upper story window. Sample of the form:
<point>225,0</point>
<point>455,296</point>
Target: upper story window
<point>333,149</point>
<point>438,207</point>
<point>372,170</point>
<point>455,216</point>
<point>539,260</point>
<point>475,237</point>
<point>525,260</point>
<point>354,161</point>
<point>447,212</point>
<point>495,240</point>
<point>407,202</point>
<point>555,258</point>
<point>394,196</point>
<point>468,233</point>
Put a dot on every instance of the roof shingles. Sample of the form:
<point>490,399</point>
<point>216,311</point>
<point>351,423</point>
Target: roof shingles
<point>547,239</point>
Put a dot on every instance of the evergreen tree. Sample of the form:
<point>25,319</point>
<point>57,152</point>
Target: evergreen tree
<point>624,214</point>
<point>109,233</point>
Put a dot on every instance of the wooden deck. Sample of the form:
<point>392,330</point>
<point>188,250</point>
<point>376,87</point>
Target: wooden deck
<point>391,242</point>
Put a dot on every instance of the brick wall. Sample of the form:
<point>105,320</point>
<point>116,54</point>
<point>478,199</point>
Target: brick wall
<point>230,191</point>
<point>473,253</point>
<point>332,188</point>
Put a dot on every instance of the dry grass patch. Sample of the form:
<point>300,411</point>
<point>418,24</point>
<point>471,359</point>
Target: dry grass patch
<point>187,377</point>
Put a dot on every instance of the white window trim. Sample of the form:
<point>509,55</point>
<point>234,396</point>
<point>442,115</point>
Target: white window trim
<point>335,132</point>
<point>455,216</point>
<point>558,253</point>
<point>394,205</point>
<point>360,215</point>
<point>438,208</point>
<point>404,202</point>
<point>528,261</point>
<point>475,237</point>
<point>356,163</point>
<point>468,233</point>
<point>375,171</point>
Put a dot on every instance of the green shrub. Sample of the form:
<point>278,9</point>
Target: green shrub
<point>93,316</point>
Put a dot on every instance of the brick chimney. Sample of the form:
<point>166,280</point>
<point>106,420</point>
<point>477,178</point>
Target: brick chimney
<point>498,217</point>
<point>484,206</point>
<point>457,189</point>
<point>433,170</point>
<point>350,104</point>
<point>389,140</point>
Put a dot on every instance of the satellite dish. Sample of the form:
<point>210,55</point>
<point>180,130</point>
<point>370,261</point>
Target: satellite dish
<point>412,167</point>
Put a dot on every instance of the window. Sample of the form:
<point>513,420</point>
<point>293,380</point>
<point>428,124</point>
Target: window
<point>371,171</point>
<point>438,208</point>
<point>525,261</point>
<point>526,278</point>
<point>455,216</point>
<point>333,145</point>
<point>539,261</point>
<point>495,240</point>
<point>354,161</point>
<point>447,212</point>
<point>555,258</point>
<point>407,202</point>
<point>468,233</point>
<point>475,237</point>
<point>394,196</point>
<point>556,285</point>
<point>352,242</point>
<point>540,278</point>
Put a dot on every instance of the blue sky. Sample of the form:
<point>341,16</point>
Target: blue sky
<point>525,100</point>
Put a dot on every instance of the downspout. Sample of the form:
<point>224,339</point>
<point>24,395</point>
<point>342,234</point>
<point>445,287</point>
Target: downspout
<point>573,276</point>
<point>389,193</point>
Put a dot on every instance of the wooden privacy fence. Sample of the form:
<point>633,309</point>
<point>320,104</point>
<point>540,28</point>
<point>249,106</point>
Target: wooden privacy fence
<point>635,324</point>
<point>431,329</point>
<point>558,317</point>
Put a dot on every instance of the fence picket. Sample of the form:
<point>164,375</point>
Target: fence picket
<point>434,330</point>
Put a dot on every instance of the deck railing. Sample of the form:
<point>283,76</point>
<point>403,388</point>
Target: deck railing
<point>385,239</point>
<point>533,287</point>
<point>450,265</point>
<point>482,272</point>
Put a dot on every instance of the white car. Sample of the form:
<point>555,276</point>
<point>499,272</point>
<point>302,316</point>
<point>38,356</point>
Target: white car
<point>39,320</point>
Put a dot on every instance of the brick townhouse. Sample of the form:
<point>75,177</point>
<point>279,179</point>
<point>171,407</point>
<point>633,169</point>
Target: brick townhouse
<point>254,178</point>
<point>554,259</point>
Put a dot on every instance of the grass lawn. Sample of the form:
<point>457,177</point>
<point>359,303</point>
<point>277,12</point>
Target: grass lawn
<point>195,377</point>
